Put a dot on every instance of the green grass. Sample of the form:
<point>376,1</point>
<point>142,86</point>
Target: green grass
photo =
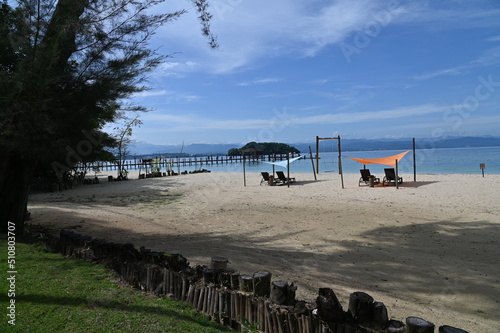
<point>55,294</point>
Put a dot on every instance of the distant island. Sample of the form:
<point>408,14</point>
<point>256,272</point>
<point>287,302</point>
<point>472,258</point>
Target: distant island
<point>263,148</point>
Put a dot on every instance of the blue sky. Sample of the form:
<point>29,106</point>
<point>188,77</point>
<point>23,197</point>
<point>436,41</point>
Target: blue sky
<point>290,70</point>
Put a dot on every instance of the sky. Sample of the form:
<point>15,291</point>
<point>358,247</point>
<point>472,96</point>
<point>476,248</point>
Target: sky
<point>290,70</point>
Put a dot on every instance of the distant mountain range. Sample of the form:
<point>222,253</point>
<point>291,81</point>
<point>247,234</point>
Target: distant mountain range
<point>140,149</point>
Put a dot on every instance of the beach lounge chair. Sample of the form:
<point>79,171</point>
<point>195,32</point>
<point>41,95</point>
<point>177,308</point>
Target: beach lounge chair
<point>365,177</point>
<point>390,177</point>
<point>282,178</point>
<point>265,178</point>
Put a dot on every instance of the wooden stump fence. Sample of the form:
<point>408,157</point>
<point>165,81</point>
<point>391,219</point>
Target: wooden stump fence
<point>240,301</point>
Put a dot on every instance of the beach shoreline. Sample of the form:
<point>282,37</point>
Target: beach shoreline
<point>427,249</point>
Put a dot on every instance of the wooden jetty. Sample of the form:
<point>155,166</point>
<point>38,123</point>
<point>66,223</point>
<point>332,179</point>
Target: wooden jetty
<point>166,162</point>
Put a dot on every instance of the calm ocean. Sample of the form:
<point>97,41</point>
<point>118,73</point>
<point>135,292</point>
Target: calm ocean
<point>428,161</point>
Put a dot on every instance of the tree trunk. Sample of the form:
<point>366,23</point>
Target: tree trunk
<point>15,179</point>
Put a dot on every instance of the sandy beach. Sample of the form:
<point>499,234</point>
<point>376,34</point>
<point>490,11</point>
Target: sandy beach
<point>428,249</point>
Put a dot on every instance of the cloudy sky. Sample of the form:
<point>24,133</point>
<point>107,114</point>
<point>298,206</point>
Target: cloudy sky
<point>289,70</point>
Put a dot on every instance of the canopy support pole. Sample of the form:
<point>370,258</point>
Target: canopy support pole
<point>312,162</point>
<point>288,169</point>
<point>397,175</point>
<point>244,172</point>
<point>414,162</point>
<point>340,164</point>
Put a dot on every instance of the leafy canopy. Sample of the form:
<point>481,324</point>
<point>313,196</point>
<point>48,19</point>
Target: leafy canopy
<point>66,68</point>
<point>263,148</point>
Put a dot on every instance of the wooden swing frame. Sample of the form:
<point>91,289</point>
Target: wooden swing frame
<point>318,139</point>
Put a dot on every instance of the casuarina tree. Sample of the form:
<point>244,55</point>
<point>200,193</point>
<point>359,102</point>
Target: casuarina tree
<point>66,69</point>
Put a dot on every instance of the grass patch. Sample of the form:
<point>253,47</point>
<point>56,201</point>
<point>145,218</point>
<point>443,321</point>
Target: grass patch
<point>56,294</point>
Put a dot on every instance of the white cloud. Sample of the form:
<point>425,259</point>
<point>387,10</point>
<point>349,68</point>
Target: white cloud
<point>446,71</point>
<point>259,81</point>
<point>250,32</point>
<point>355,117</point>
<point>493,39</point>
<point>191,122</point>
<point>319,81</point>
<point>488,58</point>
<point>151,93</point>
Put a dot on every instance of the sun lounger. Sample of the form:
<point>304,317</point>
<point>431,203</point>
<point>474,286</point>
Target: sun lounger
<point>265,178</point>
<point>390,177</point>
<point>365,177</point>
<point>282,178</point>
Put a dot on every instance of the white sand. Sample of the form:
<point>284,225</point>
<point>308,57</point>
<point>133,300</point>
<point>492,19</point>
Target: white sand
<point>428,249</point>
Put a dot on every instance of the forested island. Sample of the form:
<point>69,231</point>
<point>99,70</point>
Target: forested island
<point>263,148</point>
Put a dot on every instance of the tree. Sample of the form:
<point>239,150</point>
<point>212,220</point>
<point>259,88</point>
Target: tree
<point>123,140</point>
<point>66,67</point>
<point>264,148</point>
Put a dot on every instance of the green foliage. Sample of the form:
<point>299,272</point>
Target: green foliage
<point>56,294</point>
<point>263,148</point>
<point>67,68</point>
<point>247,327</point>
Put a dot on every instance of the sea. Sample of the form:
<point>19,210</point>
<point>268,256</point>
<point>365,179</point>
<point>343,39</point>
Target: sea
<point>426,161</point>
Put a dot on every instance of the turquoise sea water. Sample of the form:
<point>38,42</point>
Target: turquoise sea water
<point>428,161</point>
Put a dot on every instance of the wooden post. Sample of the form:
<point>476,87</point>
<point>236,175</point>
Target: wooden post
<point>419,325</point>
<point>246,283</point>
<point>449,329</point>
<point>244,172</point>
<point>397,179</point>
<point>262,283</point>
<point>196,297</point>
<point>414,162</point>
<point>395,326</point>
<point>199,301</point>
<point>312,162</point>
<point>317,154</point>
<point>360,306</point>
<point>190,294</point>
<point>340,163</point>
<point>235,281</point>
<point>282,293</point>
<point>329,307</point>
<point>379,316</point>
<point>288,169</point>
<point>184,288</point>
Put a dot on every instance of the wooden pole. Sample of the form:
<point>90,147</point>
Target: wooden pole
<point>244,172</point>
<point>317,154</point>
<point>288,169</point>
<point>340,163</point>
<point>397,179</point>
<point>414,162</point>
<point>312,162</point>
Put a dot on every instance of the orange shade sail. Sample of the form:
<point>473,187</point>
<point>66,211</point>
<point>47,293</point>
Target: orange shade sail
<point>390,160</point>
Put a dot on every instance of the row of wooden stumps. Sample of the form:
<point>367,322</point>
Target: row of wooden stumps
<point>242,302</point>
